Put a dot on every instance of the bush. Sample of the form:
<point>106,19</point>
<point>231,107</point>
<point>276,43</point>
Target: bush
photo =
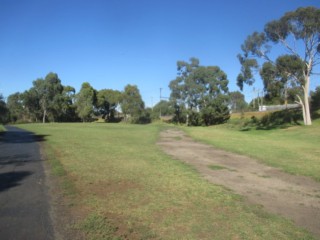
<point>215,114</point>
<point>315,103</point>
<point>280,119</point>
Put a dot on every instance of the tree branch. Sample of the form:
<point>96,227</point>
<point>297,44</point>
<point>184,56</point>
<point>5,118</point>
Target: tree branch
<point>286,45</point>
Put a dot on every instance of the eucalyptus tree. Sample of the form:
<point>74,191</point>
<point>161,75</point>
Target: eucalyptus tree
<point>48,92</point>
<point>202,91</point>
<point>107,103</point>
<point>283,79</point>
<point>67,109</point>
<point>237,102</point>
<point>297,33</point>
<point>85,101</point>
<point>132,105</point>
<point>16,107</point>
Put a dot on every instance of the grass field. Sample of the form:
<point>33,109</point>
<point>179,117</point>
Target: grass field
<point>126,188</point>
<point>295,149</point>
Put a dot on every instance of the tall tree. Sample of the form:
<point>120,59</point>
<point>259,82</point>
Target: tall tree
<point>66,105</point>
<point>298,33</point>
<point>48,91</point>
<point>85,101</point>
<point>282,79</point>
<point>3,110</point>
<point>16,108</point>
<point>107,103</point>
<point>31,104</point>
<point>237,103</point>
<point>202,91</point>
<point>132,105</point>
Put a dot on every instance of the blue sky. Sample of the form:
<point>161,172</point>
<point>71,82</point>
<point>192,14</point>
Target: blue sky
<point>112,43</point>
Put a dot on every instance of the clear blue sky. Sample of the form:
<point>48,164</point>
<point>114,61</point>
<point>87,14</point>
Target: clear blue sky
<point>112,43</point>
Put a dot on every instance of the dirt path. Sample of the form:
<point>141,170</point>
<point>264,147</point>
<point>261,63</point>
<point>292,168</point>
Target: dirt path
<point>294,197</point>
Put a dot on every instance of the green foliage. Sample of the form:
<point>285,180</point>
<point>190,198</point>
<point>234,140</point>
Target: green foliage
<point>180,113</point>
<point>107,103</point>
<point>15,104</point>
<point>85,101</point>
<point>272,120</point>
<point>315,101</point>
<point>303,26</point>
<point>132,106</point>
<point>3,111</point>
<point>283,80</point>
<point>67,110</point>
<point>49,100</point>
<point>143,118</point>
<point>217,167</point>
<point>216,112</point>
<point>280,119</point>
<point>237,102</point>
<point>31,102</point>
<point>246,76</point>
<point>96,226</point>
<point>48,92</point>
<point>162,108</point>
<point>198,89</point>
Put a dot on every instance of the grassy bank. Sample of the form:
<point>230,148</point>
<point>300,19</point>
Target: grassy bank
<point>128,189</point>
<point>2,128</point>
<point>295,149</point>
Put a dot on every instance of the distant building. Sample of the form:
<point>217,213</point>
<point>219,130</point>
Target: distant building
<point>265,108</point>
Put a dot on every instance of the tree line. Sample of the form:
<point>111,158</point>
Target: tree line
<point>199,97</point>
<point>49,100</point>
<point>199,94</point>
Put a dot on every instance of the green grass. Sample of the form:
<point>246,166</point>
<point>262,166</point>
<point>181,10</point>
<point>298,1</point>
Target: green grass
<point>294,150</point>
<point>128,189</point>
<point>217,167</point>
<point>2,128</point>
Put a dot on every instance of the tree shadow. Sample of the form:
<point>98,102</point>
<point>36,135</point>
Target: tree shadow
<point>275,120</point>
<point>16,160</point>
<point>17,135</point>
<point>12,179</point>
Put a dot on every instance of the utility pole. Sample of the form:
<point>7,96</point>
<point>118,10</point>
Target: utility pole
<point>161,97</point>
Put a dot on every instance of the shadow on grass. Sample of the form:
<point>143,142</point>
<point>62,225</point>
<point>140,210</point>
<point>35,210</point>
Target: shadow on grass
<point>275,120</point>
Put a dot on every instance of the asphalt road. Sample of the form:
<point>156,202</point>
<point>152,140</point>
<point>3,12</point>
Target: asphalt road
<point>24,202</point>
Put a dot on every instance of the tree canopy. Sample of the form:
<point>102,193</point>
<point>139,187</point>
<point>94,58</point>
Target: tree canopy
<point>107,103</point>
<point>202,91</point>
<point>85,101</point>
<point>298,34</point>
<point>132,105</point>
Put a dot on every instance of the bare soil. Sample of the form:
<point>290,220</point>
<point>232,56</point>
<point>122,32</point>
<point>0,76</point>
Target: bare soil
<point>294,197</point>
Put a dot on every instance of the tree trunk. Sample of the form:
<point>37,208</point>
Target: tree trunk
<point>306,102</point>
<point>303,109</point>
<point>44,116</point>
